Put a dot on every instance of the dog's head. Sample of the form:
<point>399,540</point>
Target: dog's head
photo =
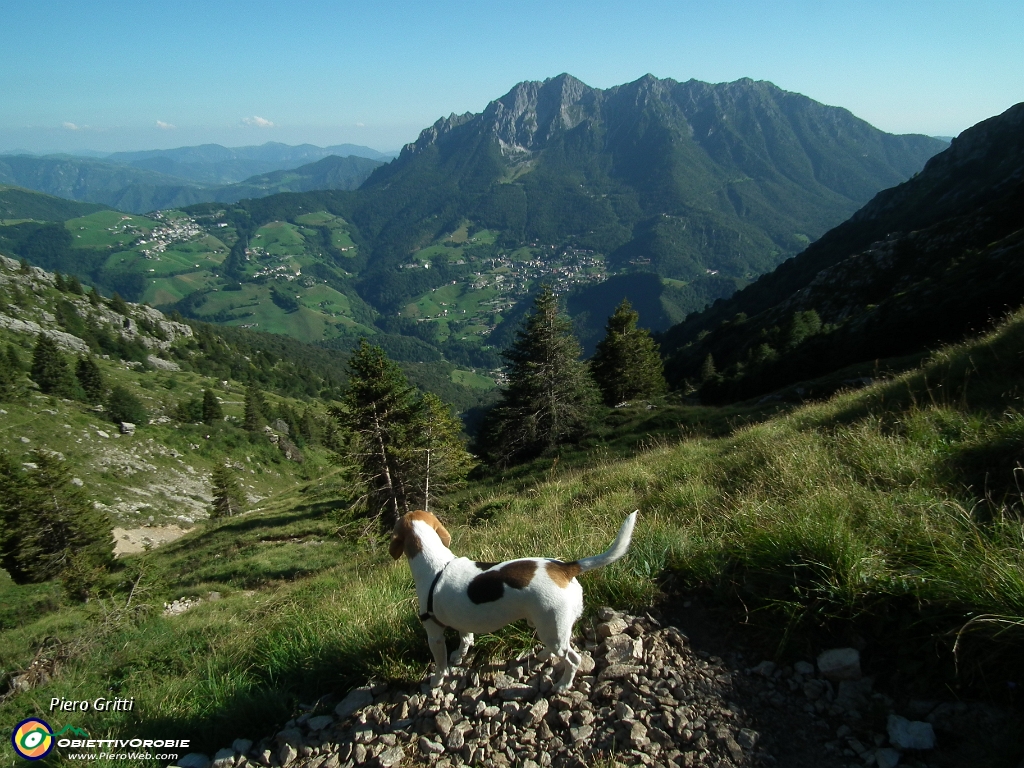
<point>404,538</point>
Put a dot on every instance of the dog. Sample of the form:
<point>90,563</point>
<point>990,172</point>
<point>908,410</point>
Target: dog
<point>474,598</point>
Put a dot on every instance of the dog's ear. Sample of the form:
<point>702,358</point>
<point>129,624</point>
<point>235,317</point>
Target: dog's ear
<point>442,532</point>
<point>398,539</point>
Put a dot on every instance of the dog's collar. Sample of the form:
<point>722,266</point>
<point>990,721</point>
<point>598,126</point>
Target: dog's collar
<point>429,613</point>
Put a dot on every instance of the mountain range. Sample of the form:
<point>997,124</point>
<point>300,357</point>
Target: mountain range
<point>673,194</point>
<point>923,263</point>
<point>144,181</point>
<point>688,180</point>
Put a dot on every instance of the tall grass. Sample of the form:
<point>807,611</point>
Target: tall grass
<point>894,510</point>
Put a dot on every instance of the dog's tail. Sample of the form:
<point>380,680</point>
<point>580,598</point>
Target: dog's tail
<point>617,549</point>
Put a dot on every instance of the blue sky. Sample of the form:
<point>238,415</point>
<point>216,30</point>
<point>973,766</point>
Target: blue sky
<point>145,74</point>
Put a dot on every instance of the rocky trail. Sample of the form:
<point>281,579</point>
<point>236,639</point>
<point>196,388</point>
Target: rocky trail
<point>644,696</point>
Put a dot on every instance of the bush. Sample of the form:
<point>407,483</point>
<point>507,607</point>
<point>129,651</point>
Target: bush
<point>122,405</point>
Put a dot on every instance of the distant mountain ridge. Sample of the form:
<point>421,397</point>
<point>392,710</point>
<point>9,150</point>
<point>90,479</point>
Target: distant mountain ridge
<point>921,264</point>
<point>139,189</point>
<point>687,180</point>
<point>215,164</point>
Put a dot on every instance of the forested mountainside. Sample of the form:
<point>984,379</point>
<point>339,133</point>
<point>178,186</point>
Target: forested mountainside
<point>922,264</point>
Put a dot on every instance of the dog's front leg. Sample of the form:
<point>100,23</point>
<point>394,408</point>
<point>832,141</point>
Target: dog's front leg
<point>465,643</point>
<point>435,636</point>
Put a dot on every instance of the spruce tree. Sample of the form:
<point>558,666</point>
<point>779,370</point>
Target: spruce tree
<point>118,304</point>
<point>122,406</point>
<point>212,410</point>
<point>379,408</point>
<point>58,282</point>
<point>626,364</point>
<point>75,286</point>
<point>47,524</point>
<point>441,461</point>
<point>49,368</point>
<point>90,379</point>
<point>94,297</point>
<point>254,408</point>
<point>227,495</point>
<point>551,398</point>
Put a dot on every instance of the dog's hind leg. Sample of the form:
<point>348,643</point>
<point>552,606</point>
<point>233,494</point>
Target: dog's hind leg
<point>435,637</point>
<point>558,642</point>
<point>465,643</point>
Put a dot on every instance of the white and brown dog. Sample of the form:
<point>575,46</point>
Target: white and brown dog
<point>473,597</point>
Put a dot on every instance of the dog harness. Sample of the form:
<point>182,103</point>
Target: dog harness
<point>429,613</point>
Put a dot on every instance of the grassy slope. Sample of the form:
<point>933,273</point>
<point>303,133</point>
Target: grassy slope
<point>865,510</point>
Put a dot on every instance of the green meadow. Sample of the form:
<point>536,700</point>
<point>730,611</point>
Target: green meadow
<point>891,513</point>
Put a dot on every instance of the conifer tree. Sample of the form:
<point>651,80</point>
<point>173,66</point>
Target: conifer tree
<point>707,369</point>
<point>94,297</point>
<point>118,304</point>
<point>439,454</point>
<point>551,398</point>
<point>407,449</point>
<point>47,524</point>
<point>90,379</point>
<point>212,410</point>
<point>626,364</point>
<point>227,495</point>
<point>8,388</point>
<point>380,407</point>
<point>58,282</point>
<point>122,406</point>
<point>75,286</point>
<point>49,368</point>
<point>254,408</point>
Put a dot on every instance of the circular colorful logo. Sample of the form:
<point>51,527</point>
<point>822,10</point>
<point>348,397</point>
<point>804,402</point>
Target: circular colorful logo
<point>32,738</point>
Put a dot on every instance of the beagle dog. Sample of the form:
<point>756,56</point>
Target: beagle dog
<point>472,597</point>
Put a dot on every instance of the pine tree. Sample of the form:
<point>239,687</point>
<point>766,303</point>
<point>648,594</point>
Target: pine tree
<point>227,495</point>
<point>90,379</point>
<point>47,524</point>
<point>439,455</point>
<point>75,286</point>
<point>13,359</point>
<point>379,409</point>
<point>212,410</point>
<point>49,368</point>
<point>94,297</point>
<point>58,282</point>
<point>707,369</point>
<point>254,408</point>
<point>551,398</point>
<point>118,304</point>
<point>626,364</point>
<point>123,406</point>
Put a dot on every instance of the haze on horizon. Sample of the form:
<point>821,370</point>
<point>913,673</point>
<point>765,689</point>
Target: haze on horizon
<point>119,76</point>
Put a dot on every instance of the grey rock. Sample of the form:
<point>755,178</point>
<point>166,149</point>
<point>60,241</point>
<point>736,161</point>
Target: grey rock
<point>804,668</point>
<point>429,747</point>
<point>537,711</point>
<point>582,733</point>
<point>242,746</point>
<point>193,760</point>
<point>618,671</point>
<point>518,692</point>
<point>443,723</point>
<point>319,722</point>
<point>747,738</point>
<point>391,756</point>
<point>291,736</point>
<point>765,669</point>
<point>356,700</point>
<point>614,626</point>
<point>455,741</point>
<point>840,664</point>
<point>887,758</point>
<point>907,734</point>
<point>286,754</point>
<point>225,758</point>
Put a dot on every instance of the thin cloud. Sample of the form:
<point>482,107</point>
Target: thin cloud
<point>165,126</point>
<point>259,122</point>
<point>71,126</point>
